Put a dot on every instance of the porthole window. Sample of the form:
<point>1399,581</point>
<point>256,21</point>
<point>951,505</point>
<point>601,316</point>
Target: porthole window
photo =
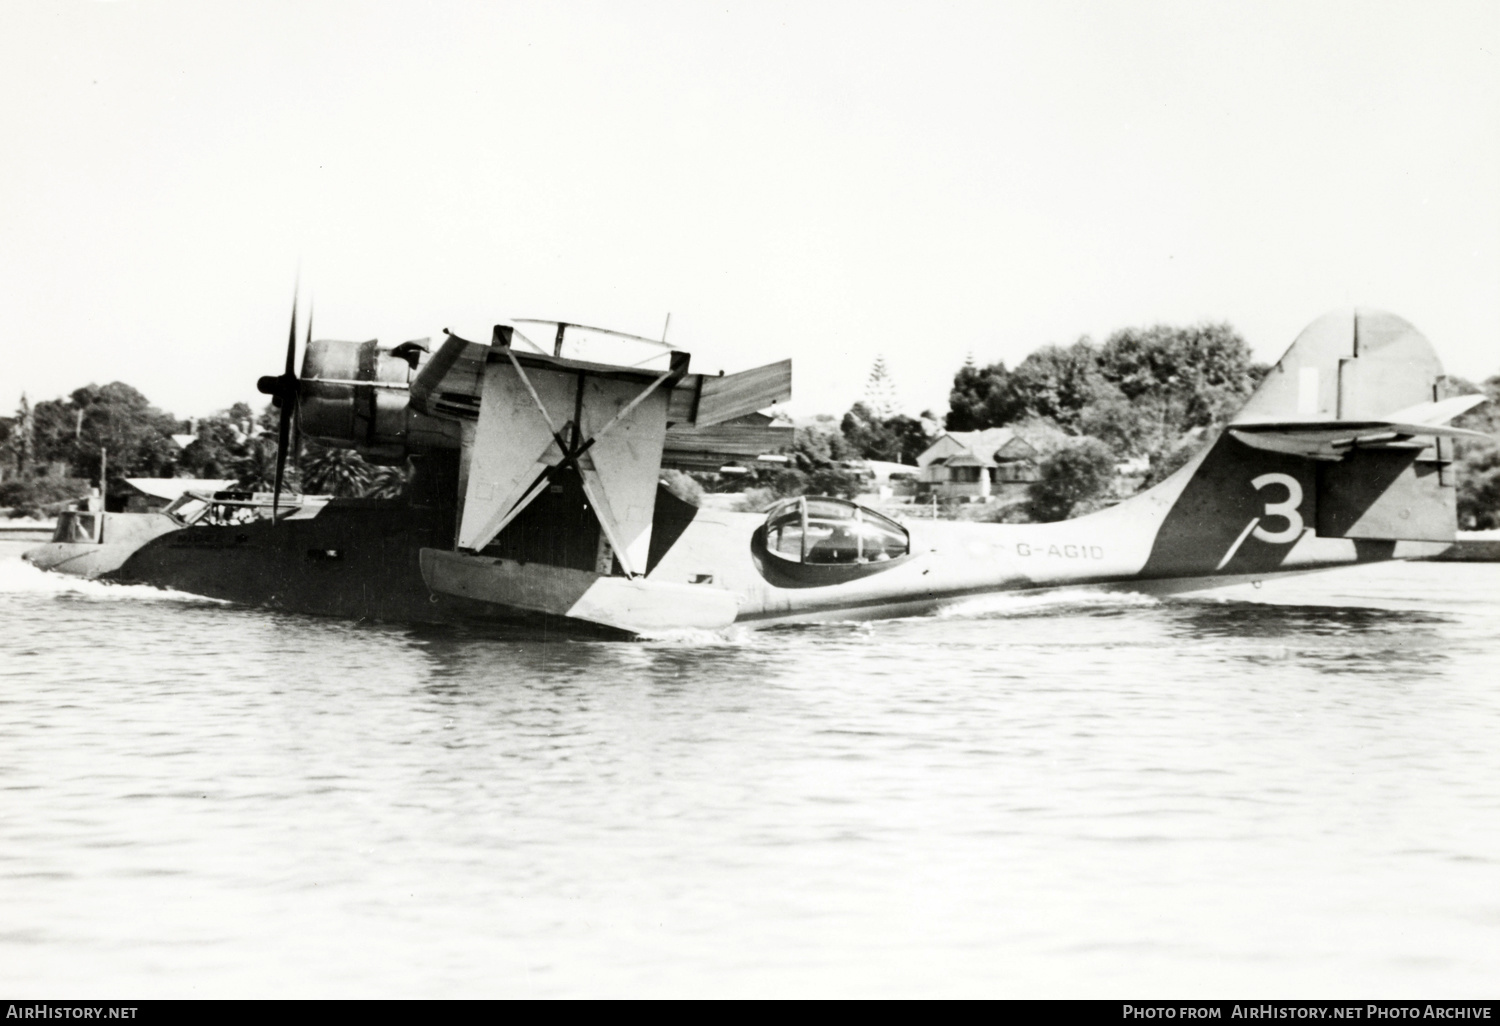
<point>826,532</point>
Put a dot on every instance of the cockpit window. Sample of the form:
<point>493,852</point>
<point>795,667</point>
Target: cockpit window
<point>832,531</point>
<point>74,526</point>
<point>187,507</point>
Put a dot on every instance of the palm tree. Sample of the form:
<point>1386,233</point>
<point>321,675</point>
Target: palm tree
<point>386,483</point>
<point>340,472</point>
<point>256,469</point>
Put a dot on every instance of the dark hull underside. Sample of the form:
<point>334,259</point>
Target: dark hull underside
<point>360,558</point>
<point>356,561</point>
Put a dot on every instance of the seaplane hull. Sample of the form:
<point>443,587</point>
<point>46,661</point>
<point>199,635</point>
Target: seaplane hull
<point>540,503</point>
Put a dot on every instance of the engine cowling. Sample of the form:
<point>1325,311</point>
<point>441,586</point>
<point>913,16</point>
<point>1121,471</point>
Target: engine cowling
<point>354,395</point>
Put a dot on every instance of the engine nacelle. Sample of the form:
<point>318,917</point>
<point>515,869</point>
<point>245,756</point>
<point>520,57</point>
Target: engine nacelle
<point>354,395</point>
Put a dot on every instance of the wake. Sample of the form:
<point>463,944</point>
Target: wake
<point>18,577</point>
<point>733,636</point>
<point>1031,603</point>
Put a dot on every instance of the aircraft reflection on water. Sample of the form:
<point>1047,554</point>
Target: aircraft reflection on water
<point>535,494</point>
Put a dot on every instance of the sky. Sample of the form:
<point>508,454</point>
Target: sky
<point>822,181</point>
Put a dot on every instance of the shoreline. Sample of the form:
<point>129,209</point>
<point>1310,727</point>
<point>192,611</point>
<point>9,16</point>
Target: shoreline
<point>1468,547</point>
<point>1471,547</point>
<point>27,530</point>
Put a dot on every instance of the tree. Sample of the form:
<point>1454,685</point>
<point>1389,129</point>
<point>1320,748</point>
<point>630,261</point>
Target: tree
<point>864,433</point>
<point>880,391</point>
<point>217,451</point>
<point>911,437</point>
<point>1202,373</point>
<point>386,483</point>
<point>1477,463</point>
<point>813,467</point>
<point>269,421</point>
<point>1167,461</point>
<point>812,449</point>
<point>1054,383</point>
<point>1479,490</point>
<point>1068,477</point>
<point>20,439</point>
<point>40,496</point>
<point>1130,429</point>
<point>256,469</point>
<point>895,439</point>
<point>835,481</point>
<point>113,417</point>
<point>1141,393</point>
<point>339,472</point>
<point>980,398</point>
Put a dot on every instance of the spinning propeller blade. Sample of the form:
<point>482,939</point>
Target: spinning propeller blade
<point>283,392</point>
<point>297,394</point>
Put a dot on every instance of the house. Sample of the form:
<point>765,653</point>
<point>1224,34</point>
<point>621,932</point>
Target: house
<point>974,466</point>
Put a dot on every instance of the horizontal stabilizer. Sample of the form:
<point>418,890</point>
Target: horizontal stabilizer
<point>1440,412</point>
<point>1333,439</point>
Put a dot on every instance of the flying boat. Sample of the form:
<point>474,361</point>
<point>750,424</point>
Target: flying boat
<point>535,492</point>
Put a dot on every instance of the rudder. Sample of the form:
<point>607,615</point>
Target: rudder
<point>1344,439</point>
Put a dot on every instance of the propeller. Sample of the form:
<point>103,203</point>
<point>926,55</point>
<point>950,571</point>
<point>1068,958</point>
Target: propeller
<point>283,390</point>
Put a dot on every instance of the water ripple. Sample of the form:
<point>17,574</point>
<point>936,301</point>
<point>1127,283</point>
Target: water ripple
<point>1025,795</point>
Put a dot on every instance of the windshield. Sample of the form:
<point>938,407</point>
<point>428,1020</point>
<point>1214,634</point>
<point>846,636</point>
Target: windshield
<point>823,530</point>
<point>238,507</point>
<point>187,507</point>
<point>76,526</point>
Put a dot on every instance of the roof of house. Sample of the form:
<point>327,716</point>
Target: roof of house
<point>170,488</point>
<point>966,459</point>
<point>983,447</point>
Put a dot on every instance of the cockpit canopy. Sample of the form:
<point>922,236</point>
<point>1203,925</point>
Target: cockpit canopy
<point>216,509</point>
<point>823,531</point>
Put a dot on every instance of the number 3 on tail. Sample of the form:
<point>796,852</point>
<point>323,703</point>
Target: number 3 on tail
<point>1287,510</point>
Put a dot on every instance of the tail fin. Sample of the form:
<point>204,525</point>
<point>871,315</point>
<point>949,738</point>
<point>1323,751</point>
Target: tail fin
<point>1347,365</point>
<point>1344,439</point>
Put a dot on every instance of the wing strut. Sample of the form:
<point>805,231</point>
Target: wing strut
<point>575,455</point>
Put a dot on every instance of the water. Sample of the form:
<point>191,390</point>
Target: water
<point>1072,795</point>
